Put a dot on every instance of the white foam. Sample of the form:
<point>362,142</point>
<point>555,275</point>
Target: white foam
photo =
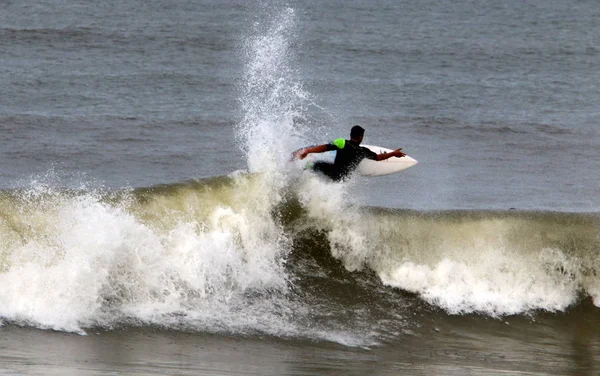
<point>85,262</point>
<point>493,282</point>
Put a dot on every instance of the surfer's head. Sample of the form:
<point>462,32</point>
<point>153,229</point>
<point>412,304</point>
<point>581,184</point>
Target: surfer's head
<point>356,133</point>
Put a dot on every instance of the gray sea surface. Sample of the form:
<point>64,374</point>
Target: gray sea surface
<point>498,101</point>
<point>128,247</point>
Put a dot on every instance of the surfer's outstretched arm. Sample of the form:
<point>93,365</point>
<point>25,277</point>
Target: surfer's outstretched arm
<point>396,153</point>
<point>302,153</point>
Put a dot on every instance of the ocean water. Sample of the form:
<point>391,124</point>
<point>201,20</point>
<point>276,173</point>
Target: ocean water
<point>147,202</point>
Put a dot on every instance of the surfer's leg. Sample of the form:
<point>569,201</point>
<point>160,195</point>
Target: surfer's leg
<point>327,169</point>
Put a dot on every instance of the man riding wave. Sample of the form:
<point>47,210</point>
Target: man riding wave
<point>349,154</point>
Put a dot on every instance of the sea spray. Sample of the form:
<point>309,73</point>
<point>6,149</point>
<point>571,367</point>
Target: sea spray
<point>272,98</point>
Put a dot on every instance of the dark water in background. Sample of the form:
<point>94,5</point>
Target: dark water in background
<point>497,101</point>
<point>120,121</point>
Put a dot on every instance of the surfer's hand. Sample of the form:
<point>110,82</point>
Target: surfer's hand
<point>300,154</point>
<point>398,153</point>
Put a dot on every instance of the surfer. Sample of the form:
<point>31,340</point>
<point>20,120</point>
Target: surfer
<point>348,156</point>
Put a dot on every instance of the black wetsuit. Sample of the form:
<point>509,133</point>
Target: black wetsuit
<point>348,156</point>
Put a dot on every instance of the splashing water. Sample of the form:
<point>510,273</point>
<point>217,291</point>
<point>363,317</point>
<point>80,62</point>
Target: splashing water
<point>272,95</point>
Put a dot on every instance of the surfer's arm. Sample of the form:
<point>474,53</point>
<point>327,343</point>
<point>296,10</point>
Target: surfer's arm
<point>396,153</point>
<point>302,153</point>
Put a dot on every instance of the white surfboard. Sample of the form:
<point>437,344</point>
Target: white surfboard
<point>368,167</point>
